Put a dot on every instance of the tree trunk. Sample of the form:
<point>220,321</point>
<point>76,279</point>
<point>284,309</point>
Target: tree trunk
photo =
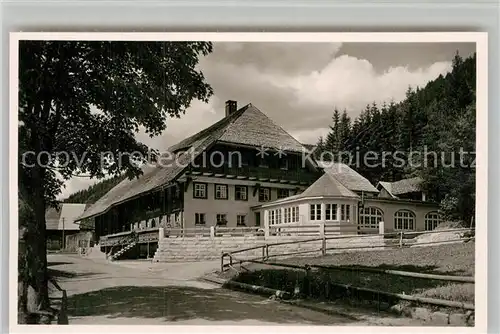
<point>22,282</point>
<point>32,256</point>
<point>37,254</point>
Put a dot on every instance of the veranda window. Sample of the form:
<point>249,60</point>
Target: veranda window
<point>432,220</point>
<point>345,212</point>
<point>404,220</point>
<point>331,212</point>
<point>315,211</point>
<point>370,217</point>
<point>295,214</point>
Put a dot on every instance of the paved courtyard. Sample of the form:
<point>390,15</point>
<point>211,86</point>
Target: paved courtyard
<point>141,292</point>
<point>145,293</point>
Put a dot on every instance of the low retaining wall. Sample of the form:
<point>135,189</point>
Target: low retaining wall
<point>205,248</point>
<point>437,318</point>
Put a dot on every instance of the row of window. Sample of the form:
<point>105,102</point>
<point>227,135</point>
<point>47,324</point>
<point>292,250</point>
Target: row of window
<point>220,219</point>
<point>200,190</point>
<point>331,213</point>
<point>370,217</point>
<point>289,215</point>
<point>234,159</point>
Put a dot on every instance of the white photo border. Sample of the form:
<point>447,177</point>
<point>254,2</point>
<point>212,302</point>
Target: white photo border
<point>481,264</point>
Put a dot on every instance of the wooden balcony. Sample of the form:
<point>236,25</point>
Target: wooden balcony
<point>145,236</point>
<point>258,174</point>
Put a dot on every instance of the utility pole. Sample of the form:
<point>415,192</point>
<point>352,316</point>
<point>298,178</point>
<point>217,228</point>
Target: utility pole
<point>63,238</point>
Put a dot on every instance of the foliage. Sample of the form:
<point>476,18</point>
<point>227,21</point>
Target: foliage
<point>95,191</point>
<point>438,118</point>
<point>80,105</point>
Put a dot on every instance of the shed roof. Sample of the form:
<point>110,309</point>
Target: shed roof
<point>64,217</point>
<point>403,186</point>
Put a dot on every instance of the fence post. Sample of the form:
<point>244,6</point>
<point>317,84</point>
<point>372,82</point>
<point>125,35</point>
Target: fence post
<point>401,239</point>
<point>306,284</point>
<point>222,262</point>
<point>322,234</point>
<point>322,229</point>
<point>62,316</point>
<point>212,232</point>
<point>381,227</point>
<point>267,252</point>
<point>266,224</point>
<point>263,253</point>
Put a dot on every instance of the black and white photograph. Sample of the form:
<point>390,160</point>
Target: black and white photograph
<point>252,179</point>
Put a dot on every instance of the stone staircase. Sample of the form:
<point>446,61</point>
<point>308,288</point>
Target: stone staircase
<point>202,248</point>
<point>206,248</point>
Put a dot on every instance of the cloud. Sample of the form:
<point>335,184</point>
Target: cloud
<point>275,58</point>
<point>303,97</point>
<point>310,136</point>
<point>197,117</point>
<point>351,83</point>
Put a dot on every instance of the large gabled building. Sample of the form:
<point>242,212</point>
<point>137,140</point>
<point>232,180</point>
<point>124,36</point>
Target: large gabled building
<point>215,178</point>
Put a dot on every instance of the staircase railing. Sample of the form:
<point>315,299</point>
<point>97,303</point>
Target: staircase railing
<point>126,241</point>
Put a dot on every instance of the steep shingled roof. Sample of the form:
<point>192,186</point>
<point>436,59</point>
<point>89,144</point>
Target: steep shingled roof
<point>64,217</point>
<point>351,179</point>
<point>387,186</point>
<point>248,125</point>
<point>254,128</point>
<point>327,186</point>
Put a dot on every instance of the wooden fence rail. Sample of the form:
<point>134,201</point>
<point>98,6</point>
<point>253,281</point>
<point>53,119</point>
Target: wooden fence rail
<point>398,234</point>
<point>323,249</point>
<point>448,278</point>
<point>324,229</point>
<point>265,248</point>
<point>433,301</point>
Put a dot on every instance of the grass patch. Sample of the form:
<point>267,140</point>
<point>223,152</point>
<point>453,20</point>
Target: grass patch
<point>457,292</point>
<point>450,259</point>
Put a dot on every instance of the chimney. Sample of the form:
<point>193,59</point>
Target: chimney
<point>231,107</point>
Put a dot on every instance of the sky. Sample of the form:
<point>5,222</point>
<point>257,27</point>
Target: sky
<point>298,85</point>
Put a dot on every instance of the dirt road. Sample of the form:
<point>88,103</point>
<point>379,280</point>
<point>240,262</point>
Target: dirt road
<point>146,293</point>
